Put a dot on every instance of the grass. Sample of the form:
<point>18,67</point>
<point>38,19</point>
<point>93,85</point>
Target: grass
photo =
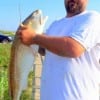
<point>4,54</point>
<point>4,62</point>
<point>9,33</point>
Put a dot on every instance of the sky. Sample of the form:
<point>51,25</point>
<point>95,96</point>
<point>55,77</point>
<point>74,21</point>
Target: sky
<point>54,9</point>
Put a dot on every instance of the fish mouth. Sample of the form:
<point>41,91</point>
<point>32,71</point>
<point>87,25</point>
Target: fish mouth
<point>37,12</point>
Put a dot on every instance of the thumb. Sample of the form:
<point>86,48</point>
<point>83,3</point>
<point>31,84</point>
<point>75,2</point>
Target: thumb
<point>22,26</point>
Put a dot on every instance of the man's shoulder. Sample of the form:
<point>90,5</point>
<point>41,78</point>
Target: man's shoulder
<point>90,16</point>
<point>57,21</point>
<point>92,13</point>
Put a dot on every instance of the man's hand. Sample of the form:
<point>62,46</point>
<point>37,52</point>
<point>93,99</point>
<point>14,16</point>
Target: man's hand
<point>26,34</point>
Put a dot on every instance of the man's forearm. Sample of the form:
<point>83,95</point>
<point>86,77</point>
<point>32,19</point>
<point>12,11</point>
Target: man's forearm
<point>62,46</point>
<point>52,44</point>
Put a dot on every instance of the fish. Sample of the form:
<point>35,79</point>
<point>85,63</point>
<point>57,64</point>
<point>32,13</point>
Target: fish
<point>22,57</point>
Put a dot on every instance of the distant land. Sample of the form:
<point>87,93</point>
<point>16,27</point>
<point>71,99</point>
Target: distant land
<point>6,32</point>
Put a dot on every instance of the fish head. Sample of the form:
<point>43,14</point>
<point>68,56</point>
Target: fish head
<point>36,20</point>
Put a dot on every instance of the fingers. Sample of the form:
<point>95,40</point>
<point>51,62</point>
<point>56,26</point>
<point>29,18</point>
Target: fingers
<point>22,27</point>
<point>19,34</point>
<point>21,31</point>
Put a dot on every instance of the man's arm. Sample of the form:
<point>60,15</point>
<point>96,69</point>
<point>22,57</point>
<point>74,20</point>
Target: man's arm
<point>62,46</point>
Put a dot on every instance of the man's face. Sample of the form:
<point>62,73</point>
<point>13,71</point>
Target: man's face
<point>75,6</point>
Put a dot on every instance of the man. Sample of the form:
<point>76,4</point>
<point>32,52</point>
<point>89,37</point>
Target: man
<point>71,69</point>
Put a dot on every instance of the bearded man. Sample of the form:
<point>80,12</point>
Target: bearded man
<point>71,68</point>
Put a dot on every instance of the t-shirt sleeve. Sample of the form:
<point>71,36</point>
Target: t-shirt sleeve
<point>87,31</point>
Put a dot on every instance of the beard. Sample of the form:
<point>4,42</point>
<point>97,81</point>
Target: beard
<point>74,7</point>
